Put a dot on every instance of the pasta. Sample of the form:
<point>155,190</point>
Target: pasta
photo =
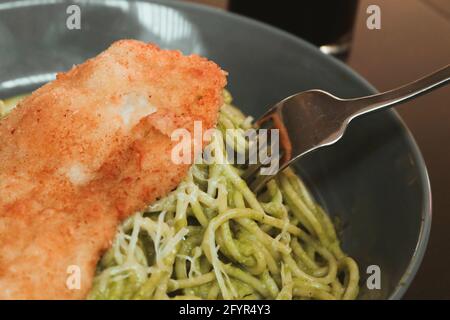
<point>213,238</point>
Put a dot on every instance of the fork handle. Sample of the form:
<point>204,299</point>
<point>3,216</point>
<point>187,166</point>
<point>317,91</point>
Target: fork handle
<point>360,106</point>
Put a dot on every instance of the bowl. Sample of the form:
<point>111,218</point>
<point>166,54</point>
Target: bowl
<point>374,181</point>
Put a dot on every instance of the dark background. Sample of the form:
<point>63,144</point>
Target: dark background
<point>414,40</point>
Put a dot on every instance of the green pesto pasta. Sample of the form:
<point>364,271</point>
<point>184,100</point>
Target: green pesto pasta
<point>213,238</point>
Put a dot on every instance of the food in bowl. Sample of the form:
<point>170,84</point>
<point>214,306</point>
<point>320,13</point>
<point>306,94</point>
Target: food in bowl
<point>210,238</point>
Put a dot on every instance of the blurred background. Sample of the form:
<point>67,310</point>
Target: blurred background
<point>414,40</point>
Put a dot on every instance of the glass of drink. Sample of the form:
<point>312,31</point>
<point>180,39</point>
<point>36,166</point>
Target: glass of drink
<point>327,24</point>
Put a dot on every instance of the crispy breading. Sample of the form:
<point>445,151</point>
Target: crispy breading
<point>87,150</point>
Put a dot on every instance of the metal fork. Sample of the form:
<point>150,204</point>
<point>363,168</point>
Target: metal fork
<point>313,119</point>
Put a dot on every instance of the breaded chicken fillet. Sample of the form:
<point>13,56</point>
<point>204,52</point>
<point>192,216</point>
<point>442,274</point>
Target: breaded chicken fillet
<point>86,151</point>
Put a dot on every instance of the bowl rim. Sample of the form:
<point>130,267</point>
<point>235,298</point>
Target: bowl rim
<point>426,217</point>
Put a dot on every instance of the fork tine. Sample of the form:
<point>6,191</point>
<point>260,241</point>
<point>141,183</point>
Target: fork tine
<point>251,171</point>
<point>260,180</point>
<point>252,168</point>
<point>252,174</point>
<point>259,183</point>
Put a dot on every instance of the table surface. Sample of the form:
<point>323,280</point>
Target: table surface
<point>414,40</point>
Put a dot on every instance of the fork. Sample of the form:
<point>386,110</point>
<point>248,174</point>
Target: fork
<point>313,119</point>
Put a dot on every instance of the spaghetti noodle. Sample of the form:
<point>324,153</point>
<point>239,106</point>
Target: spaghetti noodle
<point>213,238</point>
